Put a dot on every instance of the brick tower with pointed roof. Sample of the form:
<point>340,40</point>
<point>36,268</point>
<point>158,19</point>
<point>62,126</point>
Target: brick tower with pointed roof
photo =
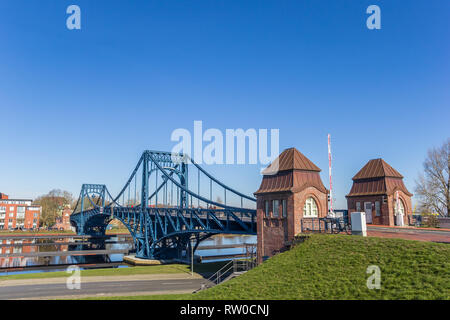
<point>291,189</point>
<point>374,191</point>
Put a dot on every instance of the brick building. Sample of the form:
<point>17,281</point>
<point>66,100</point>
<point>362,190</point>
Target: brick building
<point>63,221</point>
<point>291,189</point>
<point>375,190</point>
<point>18,213</point>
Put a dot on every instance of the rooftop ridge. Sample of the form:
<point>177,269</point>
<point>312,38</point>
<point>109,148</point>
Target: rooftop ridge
<point>377,168</point>
<point>290,159</point>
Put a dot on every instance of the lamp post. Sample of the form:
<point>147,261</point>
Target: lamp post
<point>192,258</point>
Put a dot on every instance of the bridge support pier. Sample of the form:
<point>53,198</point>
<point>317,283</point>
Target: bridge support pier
<point>180,247</point>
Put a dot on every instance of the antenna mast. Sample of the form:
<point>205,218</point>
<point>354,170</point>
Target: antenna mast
<point>329,170</point>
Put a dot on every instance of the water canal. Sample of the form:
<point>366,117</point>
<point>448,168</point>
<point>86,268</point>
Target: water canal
<point>26,254</point>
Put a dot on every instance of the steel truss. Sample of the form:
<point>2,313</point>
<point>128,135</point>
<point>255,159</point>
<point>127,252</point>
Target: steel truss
<point>163,230</point>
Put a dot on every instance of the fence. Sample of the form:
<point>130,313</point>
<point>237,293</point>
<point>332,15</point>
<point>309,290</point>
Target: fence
<point>231,269</point>
<point>313,224</point>
<point>419,220</point>
<point>325,225</point>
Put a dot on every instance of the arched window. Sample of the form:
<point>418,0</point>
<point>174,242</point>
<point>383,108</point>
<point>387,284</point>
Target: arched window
<point>310,208</point>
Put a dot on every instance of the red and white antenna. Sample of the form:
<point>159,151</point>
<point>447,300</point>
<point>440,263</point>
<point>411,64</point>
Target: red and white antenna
<point>329,169</point>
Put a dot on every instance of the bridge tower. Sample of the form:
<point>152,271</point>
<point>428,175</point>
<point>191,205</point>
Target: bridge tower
<point>87,190</point>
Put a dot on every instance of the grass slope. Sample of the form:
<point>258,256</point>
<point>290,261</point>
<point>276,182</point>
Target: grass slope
<point>334,267</point>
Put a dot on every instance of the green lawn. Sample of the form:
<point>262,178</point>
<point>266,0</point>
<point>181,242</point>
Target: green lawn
<point>334,267</point>
<point>156,269</point>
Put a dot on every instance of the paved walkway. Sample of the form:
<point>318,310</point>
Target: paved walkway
<point>56,288</point>
<point>410,233</point>
<point>86,279</point>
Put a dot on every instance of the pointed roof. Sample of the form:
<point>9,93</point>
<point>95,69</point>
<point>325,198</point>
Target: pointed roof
<point>291,159</point>
<point>377,168</point>
<point>291,181</point>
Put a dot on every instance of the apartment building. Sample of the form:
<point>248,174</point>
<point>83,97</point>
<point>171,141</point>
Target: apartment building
<point>18,213</point>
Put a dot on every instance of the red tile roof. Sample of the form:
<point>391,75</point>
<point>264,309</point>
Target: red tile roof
<point>377,178</point>
<point>280,182</point>
<point>290,159</point>
<point>295,173</point>
<point>377,168</point>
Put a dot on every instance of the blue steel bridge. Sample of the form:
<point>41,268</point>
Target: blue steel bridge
<point>169,205</point>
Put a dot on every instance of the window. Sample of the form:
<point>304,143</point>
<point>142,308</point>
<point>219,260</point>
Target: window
<point>11,208</point>
<point>20,213</point>
<point>358,206</point>
<point>283,208</point>
<point>276,207</point>
<point>377,208</point>
<point>310,208</point>
<point>267,209</point>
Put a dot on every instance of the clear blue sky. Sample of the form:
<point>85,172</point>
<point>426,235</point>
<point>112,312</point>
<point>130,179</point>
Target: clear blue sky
<point>80,106</point>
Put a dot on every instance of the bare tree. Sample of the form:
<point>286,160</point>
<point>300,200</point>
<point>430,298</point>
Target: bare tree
<point>432,187</point>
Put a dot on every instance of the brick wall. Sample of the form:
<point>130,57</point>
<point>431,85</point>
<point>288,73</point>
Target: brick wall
<point>387,216</point>
<point>275,232</point>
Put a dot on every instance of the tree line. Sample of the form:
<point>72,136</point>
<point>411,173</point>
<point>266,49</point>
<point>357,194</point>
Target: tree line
<point>52,205</point>
<point>433,185</point>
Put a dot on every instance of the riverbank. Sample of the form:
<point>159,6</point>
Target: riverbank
<point>35,233</point>
<point>64,233</point>
<point>334,267</point>
<point>200,269</point>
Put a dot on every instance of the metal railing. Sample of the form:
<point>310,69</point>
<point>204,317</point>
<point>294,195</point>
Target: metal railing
<point>232,268</point>
<point>325,225</point>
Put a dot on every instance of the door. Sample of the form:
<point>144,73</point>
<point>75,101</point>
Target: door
<point>399,210</point>
<point>368,211</point>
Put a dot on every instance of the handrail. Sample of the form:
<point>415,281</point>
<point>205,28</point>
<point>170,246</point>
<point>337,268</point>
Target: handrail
<point>225,270</point>
<point>218,271</point>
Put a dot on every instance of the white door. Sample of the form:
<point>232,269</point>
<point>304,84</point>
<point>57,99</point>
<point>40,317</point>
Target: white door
<point>399,213</point>
<point>368,211</point>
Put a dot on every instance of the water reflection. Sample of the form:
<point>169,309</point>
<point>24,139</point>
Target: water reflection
<point>224,240</point>
<point>18,253</point>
